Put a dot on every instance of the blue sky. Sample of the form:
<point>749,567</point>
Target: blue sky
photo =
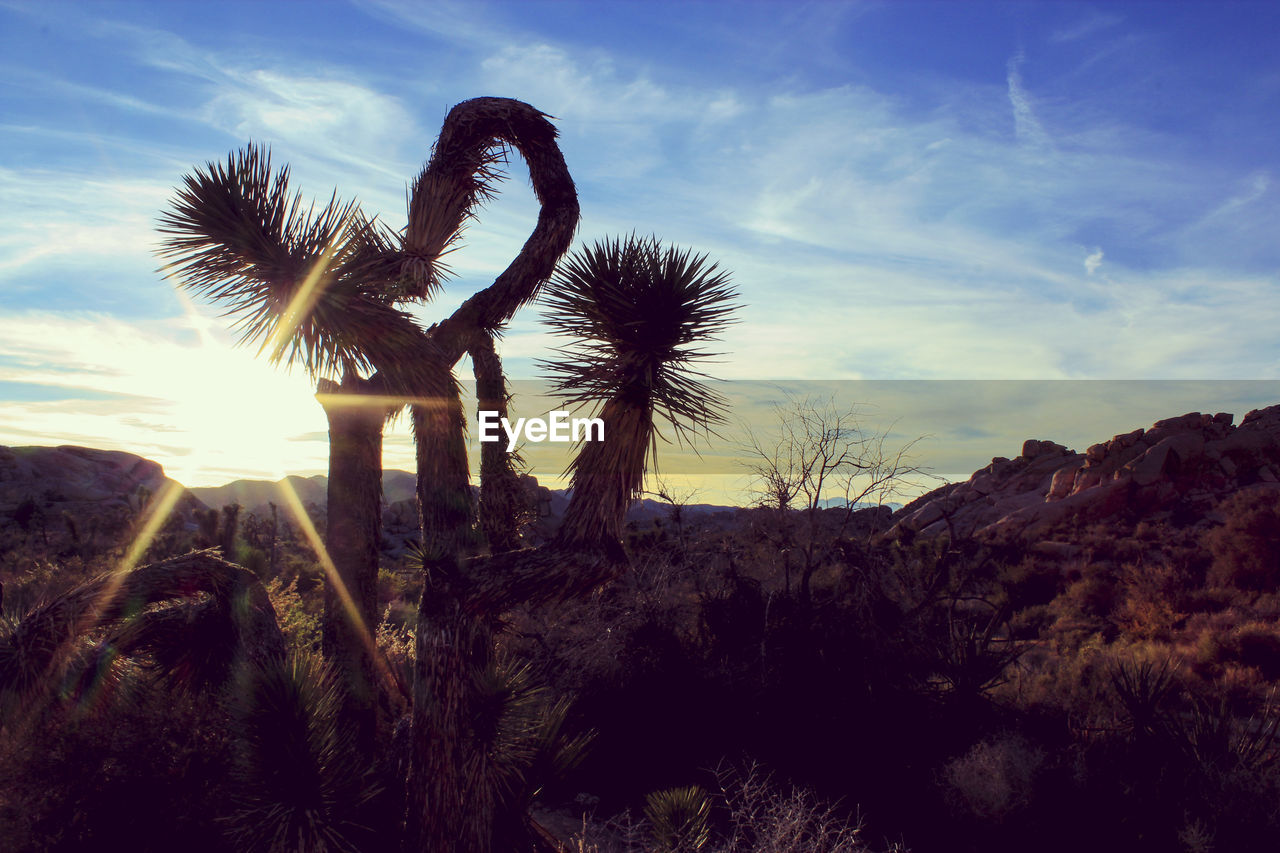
<point>954,190</point>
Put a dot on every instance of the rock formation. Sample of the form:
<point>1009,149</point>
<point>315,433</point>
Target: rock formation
<point>79,496</point>
<point>1181,467</point>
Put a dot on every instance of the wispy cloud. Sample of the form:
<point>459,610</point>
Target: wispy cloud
<point>1025,123</point>
<point>458,23</point>
<point>1087,26</point>
<point>329,119</point>
<point>1255,187</point>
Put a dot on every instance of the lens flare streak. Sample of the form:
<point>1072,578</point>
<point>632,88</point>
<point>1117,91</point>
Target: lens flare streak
<point>302,303</point>
<point>294,504</point>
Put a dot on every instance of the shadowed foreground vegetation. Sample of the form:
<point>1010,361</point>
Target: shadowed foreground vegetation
<point>938,695</point>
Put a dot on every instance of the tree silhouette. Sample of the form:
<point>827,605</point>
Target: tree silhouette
<point>634,312</point>
<point>310,288</point>
<point>323,290</point>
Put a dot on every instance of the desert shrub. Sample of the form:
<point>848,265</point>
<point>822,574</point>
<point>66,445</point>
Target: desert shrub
<point>756,815</point>
<point>117,764</point>
<point>1146,610</point>
<point>254,559</point>
<point>995,778</point>
<point>1029,583</point>
<point>1211,600</point>
<point>1031,622</point>
<point>680,819</point>
<point>1094,595</point>
<point>767,818</point>
<point>1258,646</point>
<point>299,620</point>
<point>1246,548</point>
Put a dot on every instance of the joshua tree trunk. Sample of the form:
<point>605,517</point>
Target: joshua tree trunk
<point>444,481</point>
<point>609,474</point>
<point>352,536</point>
<point>449,807</point>
<point>501,494</point>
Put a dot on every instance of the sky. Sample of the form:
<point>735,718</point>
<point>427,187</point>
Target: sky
<point>903,191</point>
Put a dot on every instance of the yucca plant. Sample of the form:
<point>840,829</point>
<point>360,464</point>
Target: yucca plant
<point>638,314</point>
<point>39,648</point>
<point>680,819</point>
<point>1145,690</point>
<point>302,785</point>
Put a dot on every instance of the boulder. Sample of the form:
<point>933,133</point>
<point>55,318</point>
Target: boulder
<point>1193,461</point>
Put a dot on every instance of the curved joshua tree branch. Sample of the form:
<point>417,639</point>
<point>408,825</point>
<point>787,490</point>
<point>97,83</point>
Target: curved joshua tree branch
<point>34,649</point>
<point>447,805</point>
<point>459,175</point>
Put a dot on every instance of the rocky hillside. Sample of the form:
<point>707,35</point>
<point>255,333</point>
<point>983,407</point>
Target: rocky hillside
<point>1180,469</point>
<point>79,496</point>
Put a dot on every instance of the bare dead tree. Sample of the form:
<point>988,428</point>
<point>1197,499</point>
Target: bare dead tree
<point>815,469</point>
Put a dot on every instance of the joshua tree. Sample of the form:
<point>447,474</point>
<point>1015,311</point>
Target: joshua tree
<point>321,290</point>
<point>310,289</point>
<point>636,312</point>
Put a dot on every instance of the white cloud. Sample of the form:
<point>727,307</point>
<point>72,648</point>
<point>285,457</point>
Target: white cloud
<point>326,118</point>
<point>83,218</point>
<point>1093,261</point>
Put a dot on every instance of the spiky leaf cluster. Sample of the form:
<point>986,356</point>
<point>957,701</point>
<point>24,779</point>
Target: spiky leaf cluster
<point>301,782</point>
<point>316,287</point>
<point>637,311</point>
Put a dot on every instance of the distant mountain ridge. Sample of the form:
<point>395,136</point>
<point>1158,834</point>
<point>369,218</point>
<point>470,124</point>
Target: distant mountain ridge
<point>1179,468</point>
<point>252,494</point>
<point>400,486</point>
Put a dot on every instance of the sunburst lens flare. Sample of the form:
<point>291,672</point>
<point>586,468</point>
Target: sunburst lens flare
<point>378,401</point>
<point>156,514</point>
<point>289,497</point>
<point>293,503</point>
